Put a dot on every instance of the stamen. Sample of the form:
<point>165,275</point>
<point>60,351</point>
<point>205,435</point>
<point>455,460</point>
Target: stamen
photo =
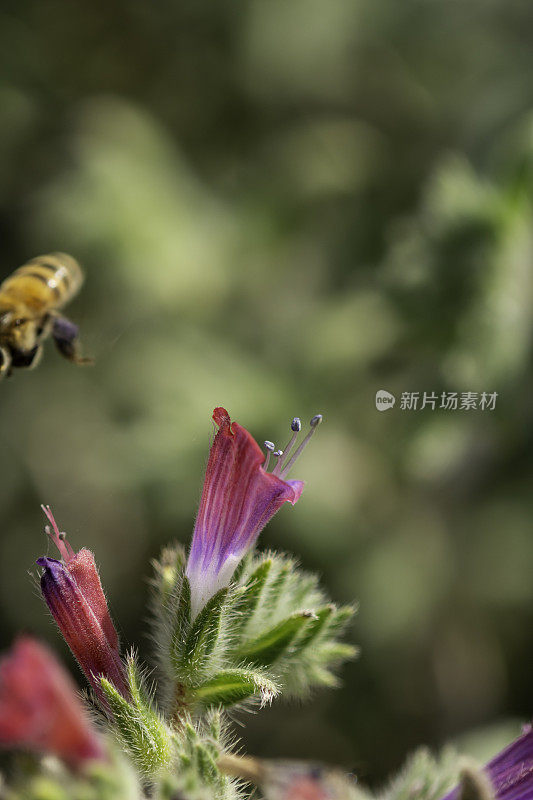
<point>270,449</point>
<point>315,422</point>
<point>57,536</point>
<point>296,427</point>
<point>277,454</point>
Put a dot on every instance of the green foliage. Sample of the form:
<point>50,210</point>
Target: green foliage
<point>425,777</point>
<point>272,632</point>
<point>290,628</point>
<point>138,725</point>
<point>115,780</point>
<point>192,652</point>
<point>231,686</point>
<point>268,648</point>
<point>197,776</point>
<point>250,592</point>
<point>167,572</point>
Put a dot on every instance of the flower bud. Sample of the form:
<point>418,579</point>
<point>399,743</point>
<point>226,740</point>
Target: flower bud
<point>73,593</point>
<point>39,707</point>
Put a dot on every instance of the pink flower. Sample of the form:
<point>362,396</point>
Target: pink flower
<point>238,499</point>
<point>72,590</point>
<point>39,708</point>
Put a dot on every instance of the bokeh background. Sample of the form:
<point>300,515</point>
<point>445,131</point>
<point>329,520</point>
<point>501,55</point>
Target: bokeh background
<point>283,206</point>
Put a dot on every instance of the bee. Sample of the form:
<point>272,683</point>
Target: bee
<point>30,300</point>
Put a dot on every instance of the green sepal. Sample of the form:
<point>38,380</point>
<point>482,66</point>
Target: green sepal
<point>334,652</point>
<point>167,572</point>
<point>139,728</point>
<point>139,696</point>
<point>242,566</point>
<point>315,626</point>
<point>206,764</point>
<point>181,621</point>
<point>182,612</point>
<point>232,686</point>
<point>267,648</point>
<point>321,676</point>
<point>249,594</point>
<point>201,640</point>
<point>340,619</point>
<point>276,586</point>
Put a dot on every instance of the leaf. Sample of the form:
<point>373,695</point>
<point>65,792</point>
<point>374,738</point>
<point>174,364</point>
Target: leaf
<point>268,647</point>
<point>276,588</point>
<point>320,676</point>
<point>181,620</point>
<point>203,635</point>
<point>304,593</point>
<point>251,592</point>
<point>315,627</point>
<point>140,730</point>
<point>243,564</point>
<point>139,695</point>
<point>182,614</point>
<point>235,685</point>
<point>206,764</point>
<point>340,619</point>
<point>333,652</point>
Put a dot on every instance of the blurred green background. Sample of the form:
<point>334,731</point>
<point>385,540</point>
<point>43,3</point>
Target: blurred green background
<point>283,206</point>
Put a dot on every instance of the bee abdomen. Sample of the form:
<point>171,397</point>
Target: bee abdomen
<point>57,275</point>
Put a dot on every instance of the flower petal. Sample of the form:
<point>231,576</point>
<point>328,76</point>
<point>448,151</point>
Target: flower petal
<point>238,499</point>
<point>511,771</point>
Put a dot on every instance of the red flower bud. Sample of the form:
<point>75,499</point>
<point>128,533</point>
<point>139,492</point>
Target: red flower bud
<point>39,707</point>
<point>74,595</point>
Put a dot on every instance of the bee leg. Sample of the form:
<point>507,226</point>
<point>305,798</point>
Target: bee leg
<point>36,356</point>
<point>65,334</point>
<point>5,363</point>
<point>45,329</point>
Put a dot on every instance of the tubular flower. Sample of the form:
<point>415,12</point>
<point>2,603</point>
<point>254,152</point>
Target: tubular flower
<point>511,771</point>
<point>238,499</point>
<point>39,708</point>
<point>72,590</point>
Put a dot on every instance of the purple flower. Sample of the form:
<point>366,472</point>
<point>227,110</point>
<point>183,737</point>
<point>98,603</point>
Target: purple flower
<point>238,499</point>
<point>73,593</point>
<point>511,771</point>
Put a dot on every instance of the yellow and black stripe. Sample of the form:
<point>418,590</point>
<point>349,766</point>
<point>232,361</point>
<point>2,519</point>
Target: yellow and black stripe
<point>45,282</point>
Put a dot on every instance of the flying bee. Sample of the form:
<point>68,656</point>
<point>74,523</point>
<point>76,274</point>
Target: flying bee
<point>30,300</point>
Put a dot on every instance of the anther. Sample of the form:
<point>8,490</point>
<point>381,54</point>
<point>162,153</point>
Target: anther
<point>296,427</point>
<point>314,423</point>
